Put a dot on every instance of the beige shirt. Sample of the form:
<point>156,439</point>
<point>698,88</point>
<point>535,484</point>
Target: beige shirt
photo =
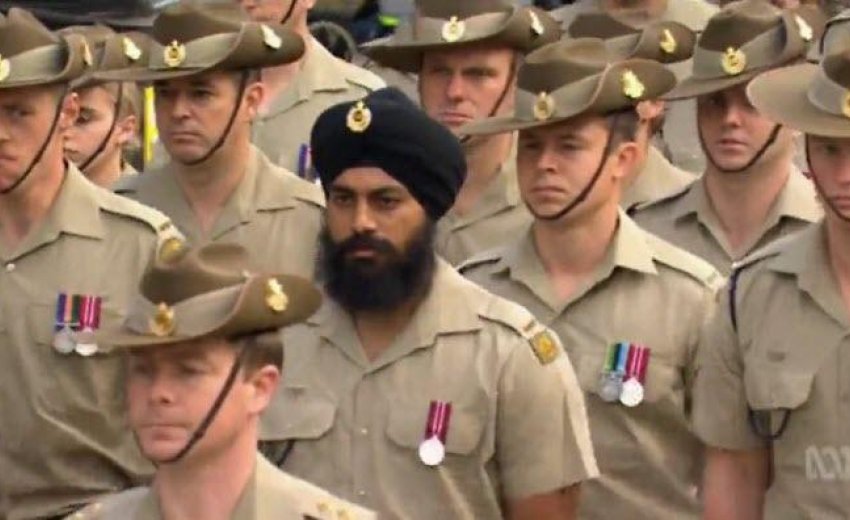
<point>63,439</point>
<point>498,215</point>
<point>270,495</point>
<point>688,220</point>
<point>790,352</point>
<point>283,132</point>
<point>518,426</point>
<point>680,130</point>
<point>658,178</point>
<point>646,292</point>
<point>272,213</point>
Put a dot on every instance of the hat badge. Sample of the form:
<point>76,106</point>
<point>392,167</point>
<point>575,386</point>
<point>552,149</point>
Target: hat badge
<point>668,42</point>
<point>359,118</point>
<point>536,27</point>
<point>87,56</point>
<point>633,87</point>
<point>174,54</point>
<point>5,69</point>
<point>806,32</point>
<point>162,323</point>
<point>453,29</point>
<point>131,50</point>
<point>271,38</point>
<point>734,61</point>
<point>276,299</point>
<point>544,107</point>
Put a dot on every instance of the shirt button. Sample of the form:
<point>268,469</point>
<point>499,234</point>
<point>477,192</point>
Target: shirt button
<point>361,493</point>
<point>10,267</point>
<point>364,431</point>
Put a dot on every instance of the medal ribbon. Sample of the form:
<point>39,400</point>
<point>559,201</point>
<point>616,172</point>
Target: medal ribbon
<point>76,311</point>
<point>642,364</point>
<point>623,350</point>
<point>439,415</point>
<point>611,358</point>
<point>90,312</point>
<point>61,312</point>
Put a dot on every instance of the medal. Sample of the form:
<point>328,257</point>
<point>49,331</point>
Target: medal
<point>633,388</point>
<point>611,380</point>
<point>67,317</point>
<point>432,450</point>
<point>89,322</point>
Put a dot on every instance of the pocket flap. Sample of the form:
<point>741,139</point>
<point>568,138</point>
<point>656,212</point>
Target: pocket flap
<point>660,376</point>
<point>406,427</point>
<point>774,388</point>
<point>295,414</point>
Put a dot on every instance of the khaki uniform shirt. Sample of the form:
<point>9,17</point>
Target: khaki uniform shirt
<point>658,178</point>
<point>63,439</point>
<point>645,292</point>
<point>788,355</point>
<point>688,220</point>
<point>273,214</point>
<point>498,215</point>
<point>518,426</point>
<point>271,495</point>
<point>283,133</point>
<point>680,129</point>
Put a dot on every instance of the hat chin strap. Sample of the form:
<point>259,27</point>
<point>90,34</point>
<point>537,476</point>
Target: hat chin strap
<point>243,84</point>
<point>770,140</point>
<point>199,432</point>
<point>817,185</point>
<point>590,185</point>
<point>43,148</point>
<point>102,146</point>
<point>289,12</point>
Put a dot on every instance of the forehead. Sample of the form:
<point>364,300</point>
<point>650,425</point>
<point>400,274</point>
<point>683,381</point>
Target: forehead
<point>367,179</point>
<point>198,349</point>
<point>475,55</point>
<point>99,93</point>
<point>211,78</point>
<point>735,92</point>
<point>585,126</point>
<point>32,95</point>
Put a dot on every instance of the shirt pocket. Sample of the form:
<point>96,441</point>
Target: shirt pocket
<point>299,415</point>
<point>774,393</point>
<point>663,379</point>
<point>407,422</point>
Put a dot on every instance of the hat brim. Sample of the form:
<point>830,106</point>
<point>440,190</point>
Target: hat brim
<point>782,95</point>
<point>692,87</point>
<point>75,67</point>
<point>248,314</point>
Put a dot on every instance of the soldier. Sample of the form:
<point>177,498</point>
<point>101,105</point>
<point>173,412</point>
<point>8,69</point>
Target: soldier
<point>72,254</point>
<point>771,391</point>
<point>300,91</point>
<point>584,268</point>
<point>679,133</point>
<point>417,393</point>
<point>668,43</point>
<point>218,187</point>
<point>110,112</point>
<point>750,194</point>
<point>466,55</point>
<point>204,360</point>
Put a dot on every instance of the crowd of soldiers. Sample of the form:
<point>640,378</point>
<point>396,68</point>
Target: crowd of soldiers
<point>598,269</point>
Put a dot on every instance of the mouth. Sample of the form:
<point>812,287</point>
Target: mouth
<point>454,118</point>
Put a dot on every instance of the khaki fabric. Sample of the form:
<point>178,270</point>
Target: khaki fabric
<point>680,130</point>
<point>649,460</point>
<point>789,352</point>
<point>687,220</point>
<point>272,213</point>
<point>518,427</point>
<point>658,178</point>
<point>498,215</point>
<point>324,80</point>
<point>63,439</point>
<point>271,495</point>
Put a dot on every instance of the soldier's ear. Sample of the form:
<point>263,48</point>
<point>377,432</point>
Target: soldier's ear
<point>263,384</point>
<point>69,112</point>
<point>255,95</point>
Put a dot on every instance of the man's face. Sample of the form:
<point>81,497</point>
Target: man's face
<point>26,115</point>
<point>192,113</point>
<point>171,389</point>
<point>273,11</point>
<point>733,132</point>
<point>97,110</point>
<point>556,163</point>
<point>463,85</point>
<point>377,249</point>
<point>829,160</point>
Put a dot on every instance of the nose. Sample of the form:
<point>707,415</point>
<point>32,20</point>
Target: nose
<point>455,89</point>
<point>364,221</point>
<point>159,390</point>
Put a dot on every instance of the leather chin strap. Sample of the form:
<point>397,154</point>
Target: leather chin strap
<point>770,140</point>
<point>213,411</point>
<point>820,191</point>
<point>590,185</point>
<point>44,145</point>
<point>243,84</point>
<point>102,146</point>
<point>289,12</point>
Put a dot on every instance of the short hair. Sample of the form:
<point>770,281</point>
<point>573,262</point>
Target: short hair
<point>623,126</point>
<point>259,351</point>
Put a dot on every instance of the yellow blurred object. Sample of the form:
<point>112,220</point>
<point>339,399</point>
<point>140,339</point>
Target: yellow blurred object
<point>150,134</point>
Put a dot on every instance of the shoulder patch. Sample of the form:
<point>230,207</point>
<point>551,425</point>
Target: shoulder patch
<point>685,262</point>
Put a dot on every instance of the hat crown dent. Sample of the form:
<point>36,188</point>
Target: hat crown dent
<point>185,22</point>
<point>738,24</point>
<point>461,9</point>
<point>563,63</point>
<point>20,31</point>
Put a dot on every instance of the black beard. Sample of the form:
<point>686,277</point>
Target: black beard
<point>381,283</point>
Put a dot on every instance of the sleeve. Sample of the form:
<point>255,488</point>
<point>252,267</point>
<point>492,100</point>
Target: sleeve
<point>721,411</point>
<point>543,439</point>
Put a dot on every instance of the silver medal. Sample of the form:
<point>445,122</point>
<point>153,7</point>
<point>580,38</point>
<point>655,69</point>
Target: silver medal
<point>432,452</point>
<point>632,394</point>
<point>610,386</point>
<point>63,341</point>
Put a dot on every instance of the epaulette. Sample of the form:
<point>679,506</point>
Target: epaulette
<point>126,184</point>
<point>685,262</point>
<point>118,205</point>
<point>315,503</point>
<point>665,199</point>
<point>361,77</point>
<point>305,191</point>
<point>491,256</point>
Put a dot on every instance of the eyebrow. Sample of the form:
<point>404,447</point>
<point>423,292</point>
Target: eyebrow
<point>379,191</point>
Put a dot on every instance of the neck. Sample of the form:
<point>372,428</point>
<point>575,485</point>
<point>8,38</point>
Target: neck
<point>484,160</point>
<point>587,241</point>
<point>25,207</point>
<point>105,171</point>
<point>209,185</point>
<point>742,201</point>
<point>209,488</point>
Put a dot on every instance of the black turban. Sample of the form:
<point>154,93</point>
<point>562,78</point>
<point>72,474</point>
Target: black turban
<point>386,130</point>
